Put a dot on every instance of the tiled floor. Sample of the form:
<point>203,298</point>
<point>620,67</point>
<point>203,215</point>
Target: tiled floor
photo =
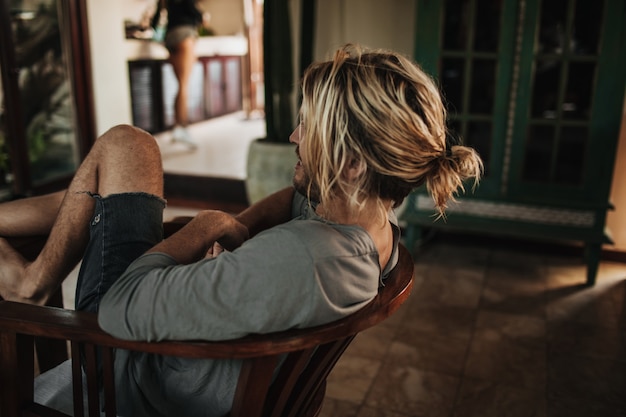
<point>490,329</point>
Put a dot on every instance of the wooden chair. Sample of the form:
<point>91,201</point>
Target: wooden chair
<point>298,389</point>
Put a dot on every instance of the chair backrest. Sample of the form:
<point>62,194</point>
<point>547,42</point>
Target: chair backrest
<point>297,390</point>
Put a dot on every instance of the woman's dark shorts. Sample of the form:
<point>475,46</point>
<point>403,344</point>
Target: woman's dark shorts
<point>176,35</point>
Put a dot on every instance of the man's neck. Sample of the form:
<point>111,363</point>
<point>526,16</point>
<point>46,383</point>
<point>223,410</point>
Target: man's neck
<point>370,217</point>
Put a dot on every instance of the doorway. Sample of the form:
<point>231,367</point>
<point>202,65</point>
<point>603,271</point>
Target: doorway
<point>46,117</point>
<point>253,100</point>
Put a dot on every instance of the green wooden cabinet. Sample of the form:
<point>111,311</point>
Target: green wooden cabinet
<point>537,87</point>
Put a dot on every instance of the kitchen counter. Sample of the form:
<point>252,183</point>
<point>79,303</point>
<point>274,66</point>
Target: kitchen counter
<point>139,49</point>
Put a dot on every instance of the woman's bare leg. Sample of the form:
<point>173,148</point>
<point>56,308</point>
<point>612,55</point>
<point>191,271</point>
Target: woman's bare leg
<point>182,61</point>
<point>124,159</point>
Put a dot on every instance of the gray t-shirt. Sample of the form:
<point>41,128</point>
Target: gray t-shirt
<point>299,274</point>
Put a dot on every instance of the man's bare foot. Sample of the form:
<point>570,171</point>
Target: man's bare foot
<point>14,285</point>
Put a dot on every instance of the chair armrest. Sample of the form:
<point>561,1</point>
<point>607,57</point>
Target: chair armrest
<point>83,327</point>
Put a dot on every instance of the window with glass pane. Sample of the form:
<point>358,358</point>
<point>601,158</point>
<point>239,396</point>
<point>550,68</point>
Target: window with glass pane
<point>45,89</point>
<point>469,61</point>
<point>570,155</point>
<point>564,79</point>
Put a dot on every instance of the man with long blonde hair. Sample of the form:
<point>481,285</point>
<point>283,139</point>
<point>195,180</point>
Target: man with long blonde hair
<point>372,129</point>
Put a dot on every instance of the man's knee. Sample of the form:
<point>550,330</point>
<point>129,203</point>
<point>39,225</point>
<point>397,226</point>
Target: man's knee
<point>128,160</point>
<point>126,138</point>
<point>125,133</point>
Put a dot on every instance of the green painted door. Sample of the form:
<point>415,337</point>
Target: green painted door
<point>468,45</point>
<point>569,102</point>
<point>536,87</point>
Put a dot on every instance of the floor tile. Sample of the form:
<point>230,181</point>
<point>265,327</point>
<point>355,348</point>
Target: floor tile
<point>520,330</point>
<point>444,285</point>
<point>576,407</point>
<point>496,357</point>
<point>338,408</point>
<point>593,379</point>
<point>428,351</point>
<point>586,305</point>
<point>586,339</point>
<point>412,391</point>
<point>352,378</point>
<point>378,412</point>
<point>454,322</point>
<point>480,398</point>
<point>373,343</point>
<point>516,287</point>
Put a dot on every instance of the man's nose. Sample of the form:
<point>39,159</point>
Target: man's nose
<point>294,137</point>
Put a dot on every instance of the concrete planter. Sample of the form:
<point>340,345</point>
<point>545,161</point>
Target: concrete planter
<point>269,168</point>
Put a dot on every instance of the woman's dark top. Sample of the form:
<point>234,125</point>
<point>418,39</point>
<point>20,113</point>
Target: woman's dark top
<point>179,13</point>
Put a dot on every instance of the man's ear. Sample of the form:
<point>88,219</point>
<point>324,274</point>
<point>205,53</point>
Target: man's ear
<point>354,169</point>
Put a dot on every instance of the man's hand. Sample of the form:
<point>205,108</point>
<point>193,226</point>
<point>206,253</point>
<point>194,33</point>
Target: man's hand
<point>234,235</point>
<point>192,242</point>
<point>214,251</point>
<point>231,240</point>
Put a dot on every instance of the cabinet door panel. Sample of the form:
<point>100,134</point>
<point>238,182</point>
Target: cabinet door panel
<point>195,98</point>
<point>232,84</point>
<point>142,93</point>
<point>557,132</point>
<point>214,87</point>
<point>474,61</point>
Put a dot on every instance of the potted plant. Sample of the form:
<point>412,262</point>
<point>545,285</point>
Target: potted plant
<point>271,159</point>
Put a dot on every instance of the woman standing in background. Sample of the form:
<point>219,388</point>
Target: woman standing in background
<point>183,19</point>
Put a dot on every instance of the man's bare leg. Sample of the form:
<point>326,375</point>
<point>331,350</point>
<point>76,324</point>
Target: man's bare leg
<point>124,159</point>
<point>33,216</point>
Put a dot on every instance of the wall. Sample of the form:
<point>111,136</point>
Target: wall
<point>372,23</point>
<point>230,12</point>
<point>110,70</point>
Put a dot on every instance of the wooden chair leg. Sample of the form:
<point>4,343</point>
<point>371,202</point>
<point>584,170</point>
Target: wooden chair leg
<point>51,352</point>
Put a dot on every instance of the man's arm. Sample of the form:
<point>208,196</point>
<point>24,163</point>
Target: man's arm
<point>193,240</point>
<point>273,210</point>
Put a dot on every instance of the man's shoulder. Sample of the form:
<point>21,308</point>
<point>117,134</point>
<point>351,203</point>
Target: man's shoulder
<point>297,231</point>
<point>319,239</point>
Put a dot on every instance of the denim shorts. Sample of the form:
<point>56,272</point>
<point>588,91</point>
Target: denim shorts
<point>122,228</point>
<point>178,34</point>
